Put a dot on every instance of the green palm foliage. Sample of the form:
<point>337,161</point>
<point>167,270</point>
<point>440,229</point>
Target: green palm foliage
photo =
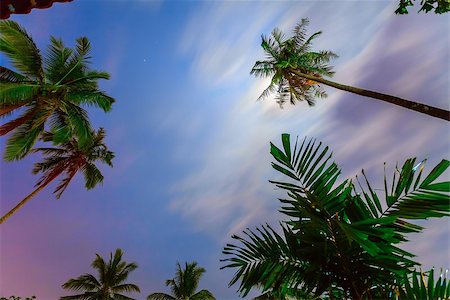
<point>184,285</point>
<point>66,160</point>
<point>297,72</point>
<point>438,6</point>
<point>110,283</point>
<point>46,91</point>
<point>340,237</point>
<point>417,287</point>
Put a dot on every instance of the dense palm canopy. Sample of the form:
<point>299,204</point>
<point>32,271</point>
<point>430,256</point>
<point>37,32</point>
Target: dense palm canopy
<point>341,238</point>
<point>184,285</point>
<point>110,283</point>
<point>47,92</point>
<point>66,160</point>
<point>297,72</point>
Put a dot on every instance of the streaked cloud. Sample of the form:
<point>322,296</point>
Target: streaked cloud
<point>228,191</point>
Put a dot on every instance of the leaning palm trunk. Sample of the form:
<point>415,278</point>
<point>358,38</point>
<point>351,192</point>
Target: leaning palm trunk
<point>25,200</point>
<point>419,107</point>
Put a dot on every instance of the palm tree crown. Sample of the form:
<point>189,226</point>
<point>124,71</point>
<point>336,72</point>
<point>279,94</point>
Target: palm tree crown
<point>297,72</point>
<point>49,91</point>
<point>110,283</point>
<point>283,55</point>
<point>184,285</point>
<point>67,159</point>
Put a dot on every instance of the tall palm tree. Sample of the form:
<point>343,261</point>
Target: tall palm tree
<point>47,91</point>
<point>110,283</point>
<point>184,285</point>
<point>67,159</point>
<point>340,238</point>
<point>297,72</point>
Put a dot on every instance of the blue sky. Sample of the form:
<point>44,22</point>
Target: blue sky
<point>192,144</point>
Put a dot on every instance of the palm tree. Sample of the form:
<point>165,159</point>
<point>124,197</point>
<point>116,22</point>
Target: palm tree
<point>49,91</point>
<point>110,282</point>
<point>340,238</point>
<point>67,159</point>
<point>297,72</point>
<point>184,285</point>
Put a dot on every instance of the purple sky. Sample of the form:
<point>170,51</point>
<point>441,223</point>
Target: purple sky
<point>192,144</point>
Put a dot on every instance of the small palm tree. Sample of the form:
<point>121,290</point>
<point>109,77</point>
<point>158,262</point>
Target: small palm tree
<point>67,159</point>
<point>297,72</point>
<point>110,283</point>
<point>184,285</point>
<point>340,239</point>
<point>49,90</point>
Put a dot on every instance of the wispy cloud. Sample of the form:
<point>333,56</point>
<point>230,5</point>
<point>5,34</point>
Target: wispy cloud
<point>228,191</point>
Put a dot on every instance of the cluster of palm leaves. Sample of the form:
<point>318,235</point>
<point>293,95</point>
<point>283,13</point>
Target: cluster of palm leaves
<point>44,100</point>
<point>112,275</point>
<point>341,239</point>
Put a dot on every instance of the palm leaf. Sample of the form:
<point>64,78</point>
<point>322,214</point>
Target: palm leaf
<point>160,296</point>
<point>21,50</point>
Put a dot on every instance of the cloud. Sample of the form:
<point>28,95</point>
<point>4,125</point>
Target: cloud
<point>228,190</point>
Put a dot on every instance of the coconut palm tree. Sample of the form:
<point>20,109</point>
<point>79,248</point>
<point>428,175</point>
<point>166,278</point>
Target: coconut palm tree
<point>184,285</point>
<point>47,91</point>
<point>110,283</point>
<point>67,159</point>
<point>297,72</point>
<point>340,238</point>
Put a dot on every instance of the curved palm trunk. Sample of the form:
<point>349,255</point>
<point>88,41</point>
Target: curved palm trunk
<point>419,107</point>
<point>25,200</point>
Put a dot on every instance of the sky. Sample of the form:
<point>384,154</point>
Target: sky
<point>192,143</point>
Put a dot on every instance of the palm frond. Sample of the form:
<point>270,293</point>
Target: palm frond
<point>21,50</point>
<point>203,295</point>
<point>13,124</point>
<point>56,60</point>
<point>13,93</point>
<point>92,98</point>
<point>127,287</point>
<point>21,141</point>
<point>411,197</point>
<point>160,296</point>
<point>7,75</point>
<point>265,258</point>
<point>300,32</point>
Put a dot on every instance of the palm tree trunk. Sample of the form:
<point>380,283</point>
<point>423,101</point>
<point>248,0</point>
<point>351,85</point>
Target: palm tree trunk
<point>419,107</point>
<point>22,203</point>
